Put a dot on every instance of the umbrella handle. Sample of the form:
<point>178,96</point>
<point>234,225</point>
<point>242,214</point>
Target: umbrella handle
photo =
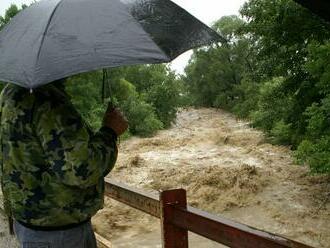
<point>107,82</point>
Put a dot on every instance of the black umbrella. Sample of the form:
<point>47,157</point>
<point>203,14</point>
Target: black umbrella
<point>54,39</point>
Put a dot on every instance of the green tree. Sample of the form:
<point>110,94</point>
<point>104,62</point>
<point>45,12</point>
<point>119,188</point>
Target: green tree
<point>149,101</point>
<point>283,31</point>
<point>157,86</point>
<point>315,148</point>
<point>214,74</point>
<point>141,115</point>
<point>85,92</point>
<point>273,104</point>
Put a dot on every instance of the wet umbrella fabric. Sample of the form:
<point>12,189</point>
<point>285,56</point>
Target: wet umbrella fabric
<point>54,39</point>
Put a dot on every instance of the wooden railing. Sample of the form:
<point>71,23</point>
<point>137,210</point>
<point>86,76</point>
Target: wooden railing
<point>177,219</point>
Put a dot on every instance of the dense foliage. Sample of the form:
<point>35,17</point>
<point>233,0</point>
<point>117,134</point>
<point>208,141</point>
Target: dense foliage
<point>275,70</point>
<point>149,95</point>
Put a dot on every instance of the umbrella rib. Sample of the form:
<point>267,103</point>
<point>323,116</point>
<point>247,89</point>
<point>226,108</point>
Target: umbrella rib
<point>46,29</point>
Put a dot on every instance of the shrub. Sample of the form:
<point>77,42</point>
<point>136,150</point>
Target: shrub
<point>165,98</point>
<point>248,97</point>
<point>317,154</point>
<point>281,132</point>
<point>274,105</point>
<point>141,116</point>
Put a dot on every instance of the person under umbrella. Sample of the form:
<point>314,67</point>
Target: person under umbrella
<point>53,165</point>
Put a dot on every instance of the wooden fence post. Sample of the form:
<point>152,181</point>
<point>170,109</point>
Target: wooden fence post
<point>172,236</point>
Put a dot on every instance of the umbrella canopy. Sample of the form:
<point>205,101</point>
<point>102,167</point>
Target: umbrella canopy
<point>53,39</point>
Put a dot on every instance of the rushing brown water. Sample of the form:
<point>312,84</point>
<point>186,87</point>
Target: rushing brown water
<point>228,169</point>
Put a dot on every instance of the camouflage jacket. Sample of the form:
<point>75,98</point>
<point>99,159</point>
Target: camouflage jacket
<point>52,165</point>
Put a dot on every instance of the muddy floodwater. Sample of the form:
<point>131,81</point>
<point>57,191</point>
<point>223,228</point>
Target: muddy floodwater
<point>228,169</point>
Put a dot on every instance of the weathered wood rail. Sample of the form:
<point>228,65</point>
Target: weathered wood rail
<point>177,218</point>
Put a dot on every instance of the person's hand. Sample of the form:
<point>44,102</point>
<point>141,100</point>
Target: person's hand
<point>115,120</point>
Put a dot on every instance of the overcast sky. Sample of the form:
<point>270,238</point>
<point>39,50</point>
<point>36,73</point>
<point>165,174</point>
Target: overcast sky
<point>207,11</point>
